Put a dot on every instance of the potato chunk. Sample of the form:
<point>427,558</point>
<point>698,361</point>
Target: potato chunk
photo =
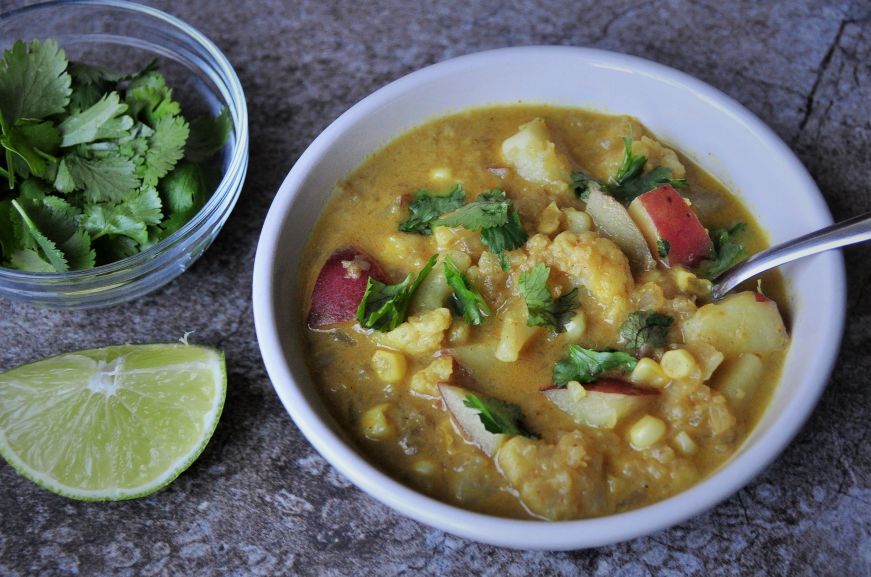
<point>599,265</point>
<point>534,156</point>
<point>562,480</point>
<point>514,332</point>
<point>419,334</point>
<point>740,323</point>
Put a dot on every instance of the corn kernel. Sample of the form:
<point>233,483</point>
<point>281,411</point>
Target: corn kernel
<point>390,366</point>
<point>375,423</point>
<point>549,219</point>
<point>688,283</point>
<point>685,443</point>
<point>577,220</point>
<point>679,364</point>
<point>440,174</point>
<point>648,373</point>
<point>425,467</point>
<point>646,432</point>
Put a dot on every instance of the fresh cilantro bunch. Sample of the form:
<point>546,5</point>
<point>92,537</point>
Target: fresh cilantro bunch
<point>95,165</point>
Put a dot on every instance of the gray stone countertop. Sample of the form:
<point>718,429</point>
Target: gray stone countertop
<point>261,501</point>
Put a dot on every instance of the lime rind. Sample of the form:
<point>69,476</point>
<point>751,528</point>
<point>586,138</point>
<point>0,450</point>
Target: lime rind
<point>158,354</point>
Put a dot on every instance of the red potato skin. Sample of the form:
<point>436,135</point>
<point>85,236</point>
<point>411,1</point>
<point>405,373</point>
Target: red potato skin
<point>336,295</point>
<point>676,223</point>
<point>613,386</point>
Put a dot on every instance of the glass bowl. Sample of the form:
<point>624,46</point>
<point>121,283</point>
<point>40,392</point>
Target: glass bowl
<point>123,36</point>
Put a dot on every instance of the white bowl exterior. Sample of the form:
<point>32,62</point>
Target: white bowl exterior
<point>702,122</point>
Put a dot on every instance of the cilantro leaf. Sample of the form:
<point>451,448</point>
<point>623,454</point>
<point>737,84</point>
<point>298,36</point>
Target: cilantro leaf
<point>208,135</point>
<point>583,184</point>
<point>129,218</point>
<point>585,365</point>
<point>32,141</point>
<point>727,251</point>
<point>663,247</point>
<point>49,249</point>
<point>542,308</point>
<point>498,416</point>
<point>645,328</point>
<point>631,166</point>
<point>102,179</point>
<point>166,148</point>
<point>633,188</point>
<point>150,99</point>
<point>30,260</point>
<point>488,210</point>
<point>466,301</point>
<point>427,208</point>
<point>103,120</point>
<point>8,242</point>
<point>505,237</point>
<point>384,307</point>
<point>34,83</point>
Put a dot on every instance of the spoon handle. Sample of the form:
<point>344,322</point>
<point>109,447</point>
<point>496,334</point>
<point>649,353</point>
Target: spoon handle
<point>851,231</point>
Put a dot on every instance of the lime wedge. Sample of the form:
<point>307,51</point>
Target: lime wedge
<point>113,423</point>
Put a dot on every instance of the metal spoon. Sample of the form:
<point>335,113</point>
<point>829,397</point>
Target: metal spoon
<point>851,231</point>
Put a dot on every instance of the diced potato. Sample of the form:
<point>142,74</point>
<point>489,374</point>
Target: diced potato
<point>419,334</point>
<point>376,424</point>
<point>648,373</point>
<point>425,382</point>
<point>707,357</point>
<point>576,327</point>
<point>534,157</point>
<point>738,324</point>
<point>680,364</point>
<point>577,220</point>
<point>646,432</point>
<point>738,378</point>
<point>685,444</point>
<point>402,251</point>
<point>613,222</point>
<point>390,366</point>
<point>514,333</point>
<point>478,358</point>
<point>550,219</point>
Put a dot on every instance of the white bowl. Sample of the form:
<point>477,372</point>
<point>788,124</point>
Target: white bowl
<point>702,122</point>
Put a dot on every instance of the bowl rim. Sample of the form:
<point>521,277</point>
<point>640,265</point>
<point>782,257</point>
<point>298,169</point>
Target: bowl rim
<point>237,106</point>
<point>514,533</point>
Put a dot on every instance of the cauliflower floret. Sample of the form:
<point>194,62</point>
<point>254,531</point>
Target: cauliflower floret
<point>419,334</point>
<point>534,156</point>
<point>560,480</point>
<point>425,382</point>
<point>658,155</point>
<point>699,410</point>
<point>597,264</point>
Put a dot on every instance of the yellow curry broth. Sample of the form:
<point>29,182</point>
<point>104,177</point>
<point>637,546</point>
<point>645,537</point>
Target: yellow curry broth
<point>424,448</point>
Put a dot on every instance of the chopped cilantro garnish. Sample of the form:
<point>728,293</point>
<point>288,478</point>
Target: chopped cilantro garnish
<point>630,181</point>
<point>384,306</point>
<point>543,309</point>
<point>490,213</point>
<point>663,247</point>
<point>727,251</point>
<point>466,301</point>
<point>427,208</point>
<point>645,328</point>
<point>585,365</point>
<point>497,416</point>
<point>91,159</point>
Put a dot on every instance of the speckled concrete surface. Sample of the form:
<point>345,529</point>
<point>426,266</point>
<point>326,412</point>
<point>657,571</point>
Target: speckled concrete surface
<point>260,501</point>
